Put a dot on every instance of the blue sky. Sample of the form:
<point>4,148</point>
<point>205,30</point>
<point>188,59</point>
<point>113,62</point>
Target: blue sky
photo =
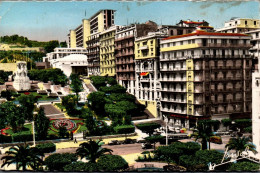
<point>45,21</point>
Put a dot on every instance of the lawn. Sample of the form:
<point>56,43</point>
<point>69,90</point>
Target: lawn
<point>40,96</point>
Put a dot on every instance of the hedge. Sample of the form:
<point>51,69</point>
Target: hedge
<point>46,147</point>
<point>124,129</point>
<point>58,161</point>
<point>5,139</point>
<point>22,137</point>
<point>112,163</point>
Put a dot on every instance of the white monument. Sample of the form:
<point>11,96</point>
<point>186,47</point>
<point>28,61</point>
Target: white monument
<point>21,80</point>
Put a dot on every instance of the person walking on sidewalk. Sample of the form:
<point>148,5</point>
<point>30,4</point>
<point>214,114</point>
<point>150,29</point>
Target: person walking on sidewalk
<point>75,140</point>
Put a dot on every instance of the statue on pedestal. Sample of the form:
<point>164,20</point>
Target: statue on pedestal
<point>21,80</point>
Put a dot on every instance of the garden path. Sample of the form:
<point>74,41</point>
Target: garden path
<point>52,112</point>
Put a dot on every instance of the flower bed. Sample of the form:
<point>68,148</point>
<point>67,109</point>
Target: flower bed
<point>3,131</point>
<point>72,125</point>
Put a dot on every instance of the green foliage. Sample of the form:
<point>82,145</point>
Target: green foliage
<point>42,124</point>
<point>63,44</point>
<point>112,163</point>
<point>248,129</point>
<point>5,139</point>
<point>148,127</point>
<point>70,103</point>
<point>188,148</point>
<point>240,144</point>
<point>22,137</point>
<point>244,166</point>
<point>57,161</point>
<point>98,81</point>
<point>226,122</point>
<point>63,133</point>
<point>243,123</point>
<point>96,102</point>
<point>23,156</point>
<point>92,150</point>
<point>8,94</point>
<point>116,97</point>
<point>76,84</point>
<point>51,45</point>
<point>168,153</point>
<point>4,76</point>
<point>9,112</point>
<point>124,129</point>
<point>191,164</point>
<point>27,105</point>
<point>113,89</point>
<point>45,75</point>
<point>46,147</point>
<point>81,166</point>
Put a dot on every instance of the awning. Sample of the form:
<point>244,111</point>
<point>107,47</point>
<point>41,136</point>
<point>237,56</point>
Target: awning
<point>144,73</point>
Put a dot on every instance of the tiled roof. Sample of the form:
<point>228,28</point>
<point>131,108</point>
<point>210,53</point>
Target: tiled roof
<point>199,32</point>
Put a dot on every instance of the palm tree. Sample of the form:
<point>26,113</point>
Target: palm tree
<point>92,150</point>
<point>203,132</point>
<point>23,156</point>
<point>240,144</point>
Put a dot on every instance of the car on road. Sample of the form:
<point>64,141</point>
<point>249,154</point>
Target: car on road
<point>114,142</point>
<point>147,146</point>
<point>129,141</point>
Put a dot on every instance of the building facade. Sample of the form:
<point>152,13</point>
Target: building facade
<point>239,25</point>
<point>124,52</point>
<point>203,75</point>
<point>107,52</point>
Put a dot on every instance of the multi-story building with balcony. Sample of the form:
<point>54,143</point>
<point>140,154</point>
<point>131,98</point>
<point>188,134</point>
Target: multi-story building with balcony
<point>147,68</point>
<point>239,25</point>
<point>125,57</point>
<point>255,49</point>
<point>107,52</point>
<point>203,75</point>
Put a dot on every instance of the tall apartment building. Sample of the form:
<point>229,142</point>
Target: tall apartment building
<point>78,36</point>
<point>204,74</point>
<point>239,25</point>
<point>255,49</point>
<point>99,22</point>
<point>146,69</point>
<point>124,52</point>
<point>93,54</point>
<point>107,51</point>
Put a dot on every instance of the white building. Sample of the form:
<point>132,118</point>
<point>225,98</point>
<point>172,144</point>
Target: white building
<point>62,52</point>
<point>72,64</point>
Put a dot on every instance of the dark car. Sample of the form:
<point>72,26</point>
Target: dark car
<point>129,141</point>
<point>147,146</point>
<point>114,142</point>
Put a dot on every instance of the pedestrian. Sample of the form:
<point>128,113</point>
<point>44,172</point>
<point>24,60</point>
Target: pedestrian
<point>75,140</point>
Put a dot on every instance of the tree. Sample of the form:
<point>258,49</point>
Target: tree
<point>240,144</point>
<point>148,127</point>
<point>23,156</point>
<point>112,163</point>
<point>57,161</point>
<point>244,166</point>
<point>42,124</point>
<point>27,105</point>
<point>92,150</point>
<point>63,44</point>
<point>226,122</point>
<point>11,112</point>
<point>96,102</point>
<point>243,123</point>
<point>76,84</point>
<point>51,45</point>
<point>154,139</point>
<point>188,148</point>
<point>168,153</point>
<point>203,132</point>
<point>62,131</point>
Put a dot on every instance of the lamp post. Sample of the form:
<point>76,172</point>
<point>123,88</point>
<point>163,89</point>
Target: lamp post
<point>33,134</point>
<point>166,129</point>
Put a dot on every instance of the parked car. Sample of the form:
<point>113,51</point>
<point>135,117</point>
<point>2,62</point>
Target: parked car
<point>147,146</point>
<point>114,142</point>
<point>129,141</point>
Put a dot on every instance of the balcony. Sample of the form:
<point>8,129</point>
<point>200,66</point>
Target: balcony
<point>144,80</point>
<point>143,47</point>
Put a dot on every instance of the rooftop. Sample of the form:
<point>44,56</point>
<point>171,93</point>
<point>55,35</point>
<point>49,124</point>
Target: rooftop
<point>199,32</point>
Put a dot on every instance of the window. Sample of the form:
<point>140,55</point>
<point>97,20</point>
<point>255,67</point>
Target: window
<point>247,63</point>
<point>246,22</point>
<point>254,22</point>
<point>151,41</point>
<point>144,43</point>
<point>193,41</point>
<point>257,35</point>
<point>181,43</point>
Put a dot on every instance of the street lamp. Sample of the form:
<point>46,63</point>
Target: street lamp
<point>33,134</point>
<point>166,129</point>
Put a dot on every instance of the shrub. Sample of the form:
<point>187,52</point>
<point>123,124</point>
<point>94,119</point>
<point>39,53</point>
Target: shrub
<point>46,147</point>
<point>168,153</point>
<point>112,163</point>
<point>5,139</point>
<point>57,162</point>
<point>248,129</point>
<point>244,166</point>
<point>189,148</point>
<point>22,137</point>
<point>189,162</point>
<point>124,129</point>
